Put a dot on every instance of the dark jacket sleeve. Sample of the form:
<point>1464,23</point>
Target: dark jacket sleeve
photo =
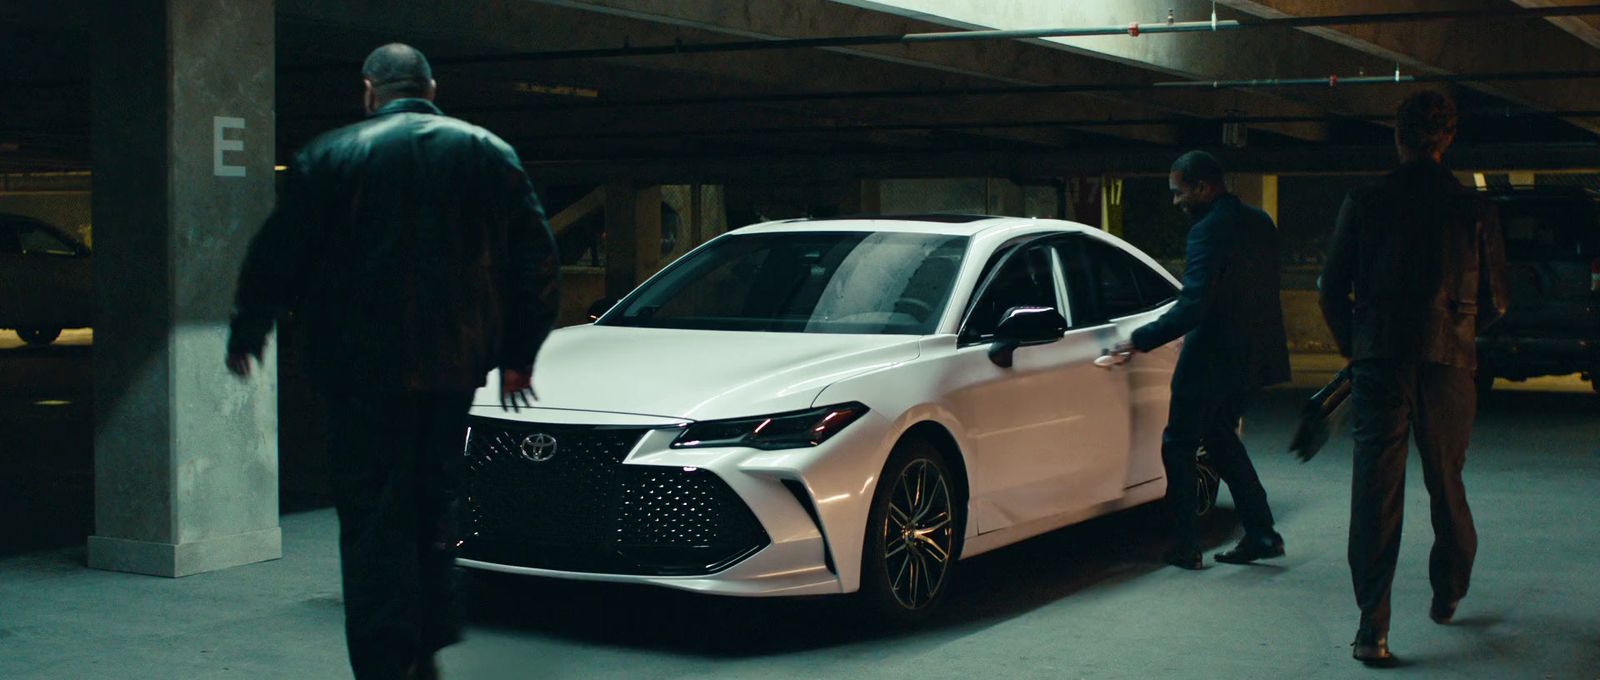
<point>268,282</point>
<point>1493,295</point>
<point>1202,266</point>
<point>533,278</point>
<point>1338,274</point>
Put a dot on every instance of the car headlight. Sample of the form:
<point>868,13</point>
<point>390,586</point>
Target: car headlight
<point>793,430</point>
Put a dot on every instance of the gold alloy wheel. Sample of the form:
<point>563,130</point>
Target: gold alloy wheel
<point>918,535</point>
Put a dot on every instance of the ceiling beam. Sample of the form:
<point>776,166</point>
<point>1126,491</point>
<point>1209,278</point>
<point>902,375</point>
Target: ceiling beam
<point>811,167</point>
<point>1585,28</point>
<point>1462,46</point>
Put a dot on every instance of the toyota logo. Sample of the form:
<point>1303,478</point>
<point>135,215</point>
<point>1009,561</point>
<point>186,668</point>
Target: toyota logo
<point>537,448</point>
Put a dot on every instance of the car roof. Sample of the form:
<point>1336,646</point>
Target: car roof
<point>937,223</point>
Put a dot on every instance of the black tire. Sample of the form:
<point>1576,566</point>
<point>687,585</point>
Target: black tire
<point>903,578</point>
<point>1483,380</point>
<point>38,336</point>
<point>1208,484</point>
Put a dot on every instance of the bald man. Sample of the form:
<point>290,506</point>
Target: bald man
<point>414,250</point>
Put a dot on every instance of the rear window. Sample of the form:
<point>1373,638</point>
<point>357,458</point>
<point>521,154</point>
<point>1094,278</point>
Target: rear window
<point>1543,230</point>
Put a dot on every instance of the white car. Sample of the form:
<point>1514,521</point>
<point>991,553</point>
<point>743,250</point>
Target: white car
<point>829,406</point>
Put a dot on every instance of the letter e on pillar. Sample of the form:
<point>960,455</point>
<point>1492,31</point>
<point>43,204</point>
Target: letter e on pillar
<point>220,144</point>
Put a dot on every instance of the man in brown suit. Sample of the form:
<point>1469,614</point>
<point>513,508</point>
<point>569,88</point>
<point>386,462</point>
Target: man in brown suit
<point>1426,267</point>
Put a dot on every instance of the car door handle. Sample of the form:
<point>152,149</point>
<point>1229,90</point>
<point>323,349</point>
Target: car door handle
<point>1111,360</point>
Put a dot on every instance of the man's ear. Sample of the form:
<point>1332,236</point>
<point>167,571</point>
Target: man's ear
<point>369,98</point>
<point>433,89</point>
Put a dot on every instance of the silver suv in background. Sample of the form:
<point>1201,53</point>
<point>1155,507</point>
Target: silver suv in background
<point>45,277</point>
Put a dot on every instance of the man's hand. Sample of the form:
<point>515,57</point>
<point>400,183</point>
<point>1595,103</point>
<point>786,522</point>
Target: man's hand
<point>1121,353</point>
<point>516,386</point>
<point>239,363</point>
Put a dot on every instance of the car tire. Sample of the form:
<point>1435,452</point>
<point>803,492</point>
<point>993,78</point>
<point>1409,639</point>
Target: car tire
<point>1209,485</point>
<point>903,577</point>
<point>1483,380</point>
<point>38,336</point>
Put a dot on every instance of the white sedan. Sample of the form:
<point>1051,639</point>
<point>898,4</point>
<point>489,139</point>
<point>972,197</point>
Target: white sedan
<point>830,406</point>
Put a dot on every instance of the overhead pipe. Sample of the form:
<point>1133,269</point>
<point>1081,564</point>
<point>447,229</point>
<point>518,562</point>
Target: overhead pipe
<point>1071,88</point>
<point>1058,123</point>
<point>1332,81</point>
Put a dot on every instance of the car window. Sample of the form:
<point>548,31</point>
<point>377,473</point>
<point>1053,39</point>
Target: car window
<point>38,240</point>
<point>1105,282</point>
<point>1548,229</point>
<point>803,282</point>
<point>1026,279</point>
<point>1154,288</point>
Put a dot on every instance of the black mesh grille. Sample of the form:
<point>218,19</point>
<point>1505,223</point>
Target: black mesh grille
<point>583,510</point>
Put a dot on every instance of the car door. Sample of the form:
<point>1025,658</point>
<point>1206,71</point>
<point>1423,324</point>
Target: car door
<point>1112,289</point>
<point>52,277</point>
<point>15,308</point>
<point>1050,432</point>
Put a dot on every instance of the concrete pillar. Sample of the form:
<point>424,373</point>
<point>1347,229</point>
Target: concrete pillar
<point>1085,196</point>
<point>1260,191</point>
<point>1111,205</point>
<point>867,199</point>
<point>1004,197</point>
<point>186,456</point>
<point>633,236</point>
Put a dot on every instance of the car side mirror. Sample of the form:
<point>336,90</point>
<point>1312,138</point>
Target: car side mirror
<point>599,307</point>
<point>1022,327</point>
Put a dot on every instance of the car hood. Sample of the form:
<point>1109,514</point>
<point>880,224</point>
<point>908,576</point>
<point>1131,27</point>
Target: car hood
<point>693,375</point>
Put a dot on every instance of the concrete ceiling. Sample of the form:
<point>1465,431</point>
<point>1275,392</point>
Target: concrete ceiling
<point>911,108</point>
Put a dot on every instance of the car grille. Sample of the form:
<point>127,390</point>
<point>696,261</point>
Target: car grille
<point>583,510</point>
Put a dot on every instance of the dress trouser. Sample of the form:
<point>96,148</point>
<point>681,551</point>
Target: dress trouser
<point>1212,420</point>
<point>1393,400</point>
<point>396,464</point>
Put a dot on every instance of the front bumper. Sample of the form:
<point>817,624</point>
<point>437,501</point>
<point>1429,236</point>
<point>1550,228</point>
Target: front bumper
<point>616,503</point>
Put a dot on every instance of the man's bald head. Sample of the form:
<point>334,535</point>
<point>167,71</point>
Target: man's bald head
<point>397,71</point>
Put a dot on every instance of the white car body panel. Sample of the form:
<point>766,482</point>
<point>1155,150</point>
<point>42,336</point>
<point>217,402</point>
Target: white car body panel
<point>699,375</point>
<point>1051,441</point>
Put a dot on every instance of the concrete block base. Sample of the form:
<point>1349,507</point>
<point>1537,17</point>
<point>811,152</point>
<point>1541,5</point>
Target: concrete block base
<point>185,559</point>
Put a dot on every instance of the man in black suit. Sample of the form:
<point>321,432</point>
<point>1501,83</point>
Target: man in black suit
<point>414,248</point>
<point>1229,316</point>
<point>1426,265</point>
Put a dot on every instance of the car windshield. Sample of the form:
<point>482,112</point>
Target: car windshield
<point>883,283</point>
<point>1543,230</point>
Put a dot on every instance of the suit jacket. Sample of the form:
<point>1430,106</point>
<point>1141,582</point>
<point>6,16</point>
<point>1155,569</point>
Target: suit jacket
<point>1229,311</point>
<point>1426,264</point>
<point>415,251</point>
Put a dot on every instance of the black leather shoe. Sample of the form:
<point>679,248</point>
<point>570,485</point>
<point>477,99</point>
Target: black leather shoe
<point>1251,548</point>
<point>1371,649</point>
<point>1184,559</point>
<point>1442,612</point>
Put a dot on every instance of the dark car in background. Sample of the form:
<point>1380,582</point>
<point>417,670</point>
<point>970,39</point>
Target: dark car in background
<point>1553,269</point>
<point>45,277</point>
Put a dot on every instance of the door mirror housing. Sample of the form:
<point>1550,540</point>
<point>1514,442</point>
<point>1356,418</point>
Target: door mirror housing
<point>1023,327</point>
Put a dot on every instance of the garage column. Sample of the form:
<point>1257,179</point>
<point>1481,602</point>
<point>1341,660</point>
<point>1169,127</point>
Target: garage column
<point>633,236</point>
<point>186,456</point>
<point>1260,191</point>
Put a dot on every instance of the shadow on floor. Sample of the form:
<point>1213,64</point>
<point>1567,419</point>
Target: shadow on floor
<point>992,587</point>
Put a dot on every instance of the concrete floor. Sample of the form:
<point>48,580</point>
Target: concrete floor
<point>1086,602</point>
